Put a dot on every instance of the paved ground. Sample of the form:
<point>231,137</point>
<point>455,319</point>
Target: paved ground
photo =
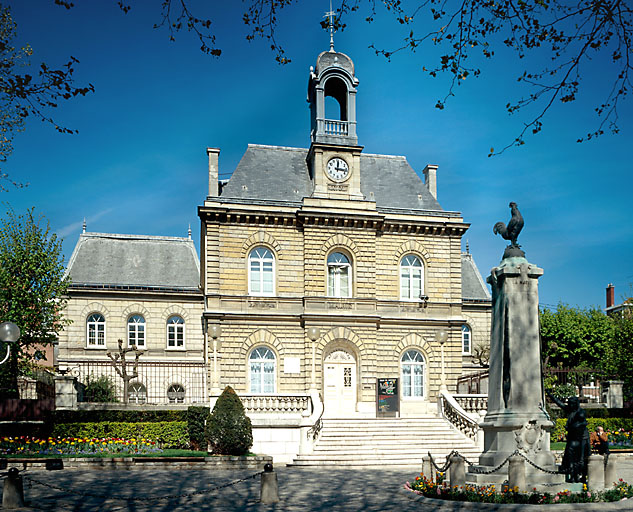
<point>300,490</point>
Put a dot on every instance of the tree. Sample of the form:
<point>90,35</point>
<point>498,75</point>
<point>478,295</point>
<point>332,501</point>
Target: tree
<point>229,430</point>
<point>120,365</point>
<point>575,337</point>
<point>32,289</point>
<point>619,350</point>
<point>23,94</point>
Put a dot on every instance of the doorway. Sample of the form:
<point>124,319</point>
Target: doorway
<point>340,384</point>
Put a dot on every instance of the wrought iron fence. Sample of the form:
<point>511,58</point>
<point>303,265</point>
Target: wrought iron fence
<point>158,382</point>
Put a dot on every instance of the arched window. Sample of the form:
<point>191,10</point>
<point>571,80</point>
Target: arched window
<point>411,278</point>
<point>176,394</point>
<point>262,370</point>
<point>466,340</point>
<point>137,393</point>
<point>136,331</point>
<point>175,332</point>
<point>413,370</point>
<point>261,270</point>
<point>95,330</point>
<point>339,275</point>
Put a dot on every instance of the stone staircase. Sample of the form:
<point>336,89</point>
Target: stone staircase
<point>386,442</point>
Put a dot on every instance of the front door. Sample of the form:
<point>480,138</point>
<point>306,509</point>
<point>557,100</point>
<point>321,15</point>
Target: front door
<point>340,384</point>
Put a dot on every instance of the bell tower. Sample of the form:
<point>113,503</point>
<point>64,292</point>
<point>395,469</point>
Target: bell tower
<point>334,156</point>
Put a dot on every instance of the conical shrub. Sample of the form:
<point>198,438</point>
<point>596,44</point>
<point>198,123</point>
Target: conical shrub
<point>229,430</point>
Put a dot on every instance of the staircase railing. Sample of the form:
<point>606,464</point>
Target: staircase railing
<point>466,423</point>
<point>315,430</point>
<point>472,403</point>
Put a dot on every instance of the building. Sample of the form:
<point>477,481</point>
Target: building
<point>143,290</point>
<point>327,268</point>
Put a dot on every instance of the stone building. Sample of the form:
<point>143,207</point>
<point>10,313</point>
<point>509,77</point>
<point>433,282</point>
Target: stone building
<point>143,290</point>
<point>326,268</point>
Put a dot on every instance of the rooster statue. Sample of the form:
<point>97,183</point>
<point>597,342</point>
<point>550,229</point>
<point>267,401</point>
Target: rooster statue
<point>514,227</point>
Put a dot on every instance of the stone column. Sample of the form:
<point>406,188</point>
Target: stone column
<point>65,392</point>
<point>516,417</point>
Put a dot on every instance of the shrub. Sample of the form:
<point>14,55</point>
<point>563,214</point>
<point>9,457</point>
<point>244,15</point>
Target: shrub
<point>609,424</point>
<point>168,434</point>
<point>229,430</point>
<point>101,389</point>
<point>196,420</point>
<point>126,416</point>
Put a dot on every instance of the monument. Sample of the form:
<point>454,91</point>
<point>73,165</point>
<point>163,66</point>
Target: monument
<point>516,418</point>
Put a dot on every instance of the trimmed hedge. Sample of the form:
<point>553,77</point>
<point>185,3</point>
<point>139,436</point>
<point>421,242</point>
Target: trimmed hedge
<point>593,412</point>
<point>610,424</point>
<point>229,430</point>
<point>167,434</point>
<point>125,416</point>
<point>196,420</point>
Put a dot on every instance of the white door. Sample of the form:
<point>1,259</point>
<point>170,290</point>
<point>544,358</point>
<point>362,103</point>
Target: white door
<point>340,385</point>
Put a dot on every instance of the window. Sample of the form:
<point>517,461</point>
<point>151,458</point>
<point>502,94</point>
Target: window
<point>466,335</point>
<point>339,275</point>
<point>136,331</point>
<point>262,370</point>
<point>412,364</point>
<point>176,394</point>
<point>260,272</point>
<point>95,328</point>
<point>175,332</point>
<point>137,393</point>
<point>411,283</point>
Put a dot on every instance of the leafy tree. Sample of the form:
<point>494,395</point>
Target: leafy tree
<point>32,289</point>
<point>24,94</point>
<point>228,430</point>
<point>619,351</point>
<point>575,337</point>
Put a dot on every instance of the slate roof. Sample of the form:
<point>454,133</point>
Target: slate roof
<point>103,260</point>
<point>281,174</point>
<point>473,285</point>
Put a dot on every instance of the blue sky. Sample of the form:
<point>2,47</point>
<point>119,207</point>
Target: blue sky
<point>138,164</point>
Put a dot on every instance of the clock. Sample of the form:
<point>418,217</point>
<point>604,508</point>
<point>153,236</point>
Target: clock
<point>337,169</point>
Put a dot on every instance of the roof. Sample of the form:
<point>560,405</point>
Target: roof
<point>275,173</point>
<point>103,260</point>
<point>473,286</point>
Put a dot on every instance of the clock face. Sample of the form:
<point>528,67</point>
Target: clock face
<point>337,169</point>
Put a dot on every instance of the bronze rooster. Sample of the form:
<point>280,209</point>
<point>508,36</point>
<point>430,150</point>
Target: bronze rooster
<point>511,232</point>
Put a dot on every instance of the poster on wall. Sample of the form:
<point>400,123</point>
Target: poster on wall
<point>387,398</point>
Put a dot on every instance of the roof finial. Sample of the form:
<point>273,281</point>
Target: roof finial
<point>330,16</point>
<point>84,225</point>
<point>189,231</point>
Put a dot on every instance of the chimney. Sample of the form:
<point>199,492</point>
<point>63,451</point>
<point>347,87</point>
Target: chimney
<point>214,156</point>
<point>430,178</point>
<point>610,295</point>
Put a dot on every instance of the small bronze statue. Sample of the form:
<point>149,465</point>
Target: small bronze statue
<point>511,232</point>
<point>577,449</point>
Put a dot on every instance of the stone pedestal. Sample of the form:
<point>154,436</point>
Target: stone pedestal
<point>516,417</point>
<point>612,393</point>
<point>65,392</point>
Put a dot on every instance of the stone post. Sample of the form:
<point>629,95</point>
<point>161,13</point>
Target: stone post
<point>516,473</point>
<point>612,393</point>
<point>457,471</point>
<point>65,392</point>
<point>13,490</point>
<point>427,468</point>
<point>269,486</point>
<point>595,473</point>
<point>610,476</point>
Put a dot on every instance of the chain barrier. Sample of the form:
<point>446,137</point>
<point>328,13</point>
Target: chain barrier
<point>140,498</point>
<point>533,464</point>
<point>448,463</point>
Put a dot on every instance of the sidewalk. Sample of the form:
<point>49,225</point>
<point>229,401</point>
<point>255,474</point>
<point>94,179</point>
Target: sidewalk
<point>301,490</point>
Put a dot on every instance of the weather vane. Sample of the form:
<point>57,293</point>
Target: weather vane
<point>330,16</point>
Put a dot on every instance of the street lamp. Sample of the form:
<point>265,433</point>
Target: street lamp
<point>215,331</point>
<point>9,333</point>
<point>441,335</point>
<point>313,334</point>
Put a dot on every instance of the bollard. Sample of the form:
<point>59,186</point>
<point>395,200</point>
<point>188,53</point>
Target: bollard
<point>610,477</point>
<point>516,473</point>
<point>269,489</point>
<point>457,471</point>
<point>13,493</point>
<point>427,468</point>
<point>595,473</point>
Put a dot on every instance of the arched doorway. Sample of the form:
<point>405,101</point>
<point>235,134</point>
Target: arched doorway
<point>339,372</point>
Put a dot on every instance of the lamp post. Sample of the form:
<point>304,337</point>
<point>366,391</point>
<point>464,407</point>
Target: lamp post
<point>9,333</point>
<point>441,335</point>
<point>313,334</point>
<point>215,331</point>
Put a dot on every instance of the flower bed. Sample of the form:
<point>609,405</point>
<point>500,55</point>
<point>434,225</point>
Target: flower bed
<point>77,446</point>
<point>491,494</point>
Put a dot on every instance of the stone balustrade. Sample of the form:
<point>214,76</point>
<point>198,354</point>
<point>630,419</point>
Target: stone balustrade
<point>451,410</point>
<point>472,403</point>
<point>279,403</point>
